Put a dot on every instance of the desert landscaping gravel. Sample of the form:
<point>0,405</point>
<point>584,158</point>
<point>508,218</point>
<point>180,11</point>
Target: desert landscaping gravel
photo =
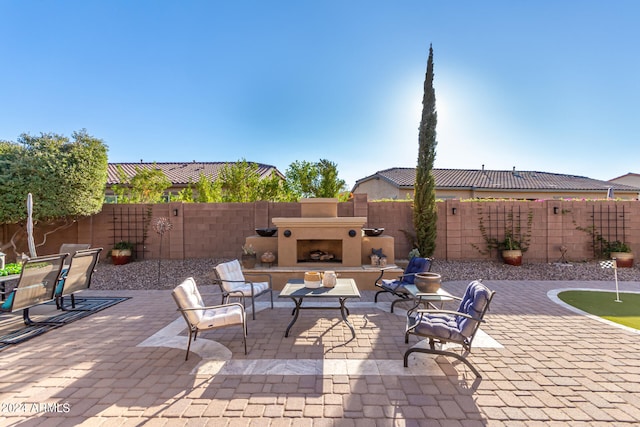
<point>166,274</point>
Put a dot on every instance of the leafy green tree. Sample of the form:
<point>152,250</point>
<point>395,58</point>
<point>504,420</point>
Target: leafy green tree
<point>306,179</point>
<point>425,214</point>
<point>329,185</point>
<point>146,186</point>
<point>67,178</point>
<point>240,181</point>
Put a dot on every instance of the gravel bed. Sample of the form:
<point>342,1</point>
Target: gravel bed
<point>152,274</point>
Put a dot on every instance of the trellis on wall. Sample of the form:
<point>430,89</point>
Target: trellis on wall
<point>610,222</point>
<point>131,223</point>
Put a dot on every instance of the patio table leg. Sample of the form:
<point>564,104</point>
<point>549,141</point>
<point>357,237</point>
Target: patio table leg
<point>345,312</point>
<point>296,312</point>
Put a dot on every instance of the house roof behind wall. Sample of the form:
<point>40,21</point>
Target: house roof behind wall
<point>496,179</point>
<point>181,173</point>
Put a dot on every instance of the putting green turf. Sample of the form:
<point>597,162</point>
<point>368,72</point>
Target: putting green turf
<point>603,304</point>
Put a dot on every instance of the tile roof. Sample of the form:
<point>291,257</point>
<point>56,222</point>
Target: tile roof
<point>497,179</point>
<point>180,173</point>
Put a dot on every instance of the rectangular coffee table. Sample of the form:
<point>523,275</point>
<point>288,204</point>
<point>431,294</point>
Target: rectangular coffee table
<point>344,289</point>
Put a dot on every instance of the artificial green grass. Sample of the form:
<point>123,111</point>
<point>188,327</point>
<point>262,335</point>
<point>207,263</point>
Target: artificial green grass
<point>603,304</point>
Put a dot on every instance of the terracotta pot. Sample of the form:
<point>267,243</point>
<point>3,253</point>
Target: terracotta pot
<point>248,261</point>
<point>428,282</point>
<point>120,256</point>
<point>623,259</point>
<point>512,257</point>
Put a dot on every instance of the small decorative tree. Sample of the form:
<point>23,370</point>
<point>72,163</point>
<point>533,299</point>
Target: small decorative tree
<point>161,225</point>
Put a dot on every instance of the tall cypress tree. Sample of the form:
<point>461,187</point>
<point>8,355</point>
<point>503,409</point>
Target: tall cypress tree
<point>425,214</point>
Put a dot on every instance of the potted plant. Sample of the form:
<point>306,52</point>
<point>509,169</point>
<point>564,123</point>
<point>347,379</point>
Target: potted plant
<point>512,249</point>
<point>515,240</point>
<point>602,247</point>
<point>121,252</point>
<point>248,256</point>
<point>621,252</point>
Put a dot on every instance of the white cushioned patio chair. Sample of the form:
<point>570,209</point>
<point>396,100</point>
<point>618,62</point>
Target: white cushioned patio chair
<point>446,326</point>
<point>233,283</point>
<point>200,317</point>
<point>77,277</point>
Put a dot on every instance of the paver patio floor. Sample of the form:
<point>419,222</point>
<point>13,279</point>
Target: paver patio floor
<point>542,364</point>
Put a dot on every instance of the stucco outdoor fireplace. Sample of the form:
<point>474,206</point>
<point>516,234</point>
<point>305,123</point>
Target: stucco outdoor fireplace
<point>319,237</point>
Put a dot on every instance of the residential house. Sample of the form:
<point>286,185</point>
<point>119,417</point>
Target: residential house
<point>180,174</point>
<point>397,184</point>
<point>632,179</point>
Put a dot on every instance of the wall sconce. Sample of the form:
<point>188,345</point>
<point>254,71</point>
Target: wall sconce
<point>556,210</point>
<point>454,211</point>
<point>175,212</point>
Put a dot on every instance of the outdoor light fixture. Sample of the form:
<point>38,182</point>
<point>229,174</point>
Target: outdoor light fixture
<point>287,233</point>
<point>556,210</point>
<point>175,212</point>
<point>352,233</point>
<point>454,210</point>
<point>2,255</point>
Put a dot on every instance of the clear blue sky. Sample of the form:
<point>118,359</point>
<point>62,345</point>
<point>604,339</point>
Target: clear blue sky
<point>546,85</point>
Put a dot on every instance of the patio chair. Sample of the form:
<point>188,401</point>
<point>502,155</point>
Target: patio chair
<point>446,326</point>
<point>77,277</point>
<point>234,285</point>
<point>36,285</point>
<point>200,318</point>
<point>396,286</point>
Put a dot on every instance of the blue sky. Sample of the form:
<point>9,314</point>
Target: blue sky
<point>548,85</point>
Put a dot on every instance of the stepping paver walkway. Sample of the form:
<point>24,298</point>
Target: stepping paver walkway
<point>542,364</point>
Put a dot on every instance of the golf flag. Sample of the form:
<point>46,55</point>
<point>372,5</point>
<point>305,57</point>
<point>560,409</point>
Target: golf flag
<point>612,264</point>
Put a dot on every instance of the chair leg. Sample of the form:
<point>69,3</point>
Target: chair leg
<point>375,297</point>
<point>189,345</point>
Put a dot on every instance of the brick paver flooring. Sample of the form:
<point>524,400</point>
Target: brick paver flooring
<point>555,368</point>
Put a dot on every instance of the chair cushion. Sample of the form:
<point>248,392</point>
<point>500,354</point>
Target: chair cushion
<point>230,315</point>
<point>393,285</point>
<point>245,288</point>
<point>473,303</point>
<point>457,328</point>
<point>187,295</point>
<point>440,326</point>
<point>6,304</point>
<point>231,271</point>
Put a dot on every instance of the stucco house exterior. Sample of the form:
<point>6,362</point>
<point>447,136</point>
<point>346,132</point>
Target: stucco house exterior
<point>181,174</point>
<point>632,179</point>
<point>397,184</point>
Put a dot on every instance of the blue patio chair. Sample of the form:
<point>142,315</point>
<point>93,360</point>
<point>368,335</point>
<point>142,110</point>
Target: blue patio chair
<point>446,326</point>
<point>396,286</point>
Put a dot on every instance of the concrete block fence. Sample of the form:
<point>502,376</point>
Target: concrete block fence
<point>203,230</point>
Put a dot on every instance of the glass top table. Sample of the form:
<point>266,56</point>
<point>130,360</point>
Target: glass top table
<point>430,299</point>
<point>344,289</point>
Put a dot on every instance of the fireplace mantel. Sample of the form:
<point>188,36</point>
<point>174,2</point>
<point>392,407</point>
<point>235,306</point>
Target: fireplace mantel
<point>354,222</point>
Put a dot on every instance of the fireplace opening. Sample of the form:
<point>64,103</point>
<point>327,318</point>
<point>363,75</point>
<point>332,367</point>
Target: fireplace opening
<point>319,251</point>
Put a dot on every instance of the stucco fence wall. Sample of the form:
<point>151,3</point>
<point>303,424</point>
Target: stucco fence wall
<point>218,230</point>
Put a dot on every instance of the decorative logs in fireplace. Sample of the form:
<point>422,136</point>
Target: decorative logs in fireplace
<point>318,255</point>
